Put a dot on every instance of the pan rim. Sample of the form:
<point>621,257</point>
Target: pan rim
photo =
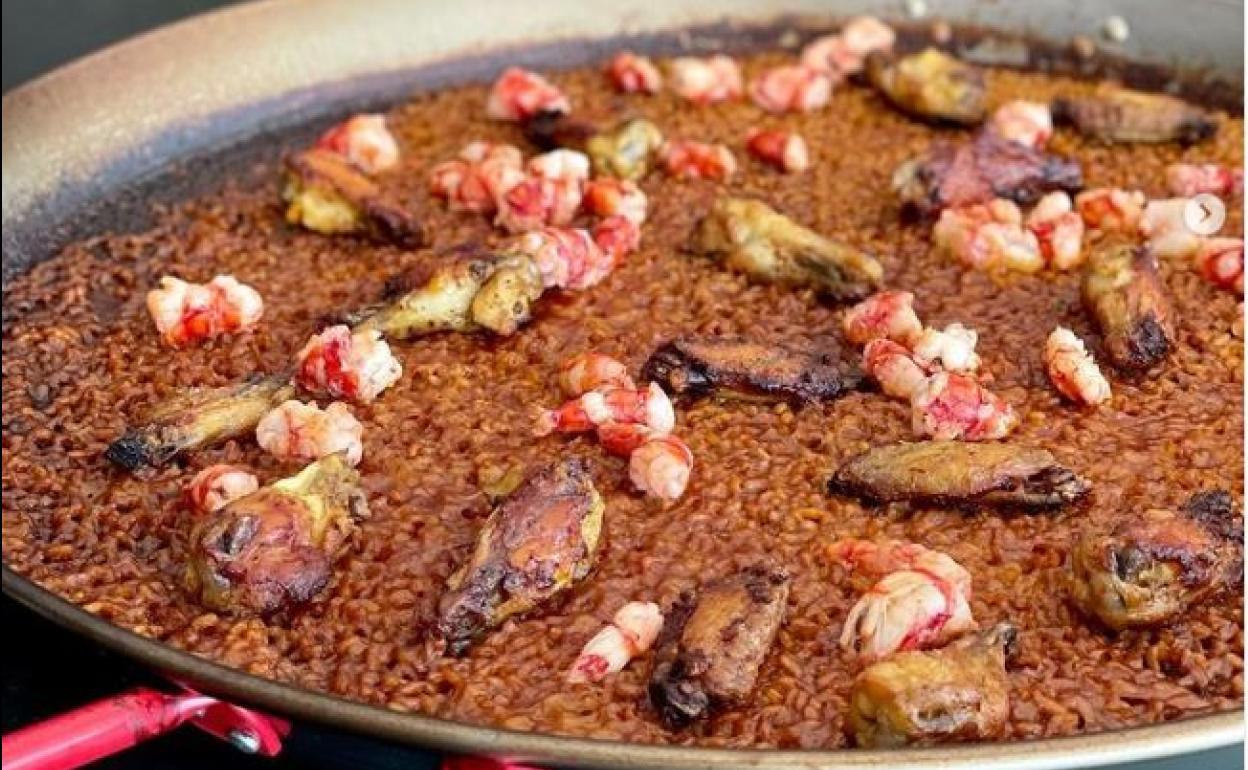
<point>1092,749</point>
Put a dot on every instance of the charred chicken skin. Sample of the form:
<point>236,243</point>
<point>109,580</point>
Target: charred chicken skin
<point>960,473</point>
<point>714,642</point>
<point>988,167</point>
<point>957,693</point>
<point>1123,292</point>
<point>694,367</point>
<point>328,195</point>
<point>1115,114</point>
<point>538,543</point>
<point>275,547</point>
<point>1147,571</point>
<point>750,237</point>
<point>198,418</point>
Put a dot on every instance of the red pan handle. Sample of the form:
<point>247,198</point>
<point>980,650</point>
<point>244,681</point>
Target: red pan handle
<point>114,724</point>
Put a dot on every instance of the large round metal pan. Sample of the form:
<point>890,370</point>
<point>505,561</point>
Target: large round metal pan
<point>88,147</point>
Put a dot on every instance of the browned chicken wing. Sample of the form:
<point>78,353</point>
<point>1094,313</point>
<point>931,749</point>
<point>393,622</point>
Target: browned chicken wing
<point>473,290</point>
<point>537,543</point>
<point>931,85</point>
<point>700,366</point>
<point>750,237</point>
<point>328,195</point>
<point>625,150</point>
<point>713,644</point>
<point>959,473</point>
<point>276,546</point>
<point>957,693</point>
<point>1116,114</point>
<point>198,418</point>
<point>1123,292</point>
<point>988,167</point>
<point>1149,570</point>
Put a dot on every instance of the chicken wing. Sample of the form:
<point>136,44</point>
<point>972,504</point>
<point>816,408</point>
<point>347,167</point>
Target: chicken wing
<point>1116,114</point>
<point>1148,570</point>
<point>751,237</point>
<point>474,290</point>
<point>971,475</point>
<point>931,85</point>
<point>714,643</point>
<point>988,167</point>
<point>1123,292</point>
<point>276,546</point>
<point>624,151</point>
<point>537,544</point>
<point>326,194</point>
<point>700,366</point>
<point>198,418</point>
<point>957,693</point>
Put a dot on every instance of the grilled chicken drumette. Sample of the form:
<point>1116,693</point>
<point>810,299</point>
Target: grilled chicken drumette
<point>538,543</point>
<point>328,195</point>
<point>959,473</point>
<point>713,643</point>
<point>1123,293</point>
<point>957,693</point>
<point>1148,570</point>
<point>931,85</point>
<point>750,237</point>
<point>198,418</point>
<point>276,546</point>
<point>694,367</point>
<point>1116,114</point>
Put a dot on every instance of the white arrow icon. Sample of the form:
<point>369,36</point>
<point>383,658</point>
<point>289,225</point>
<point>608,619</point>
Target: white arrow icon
<point>1204,214</point>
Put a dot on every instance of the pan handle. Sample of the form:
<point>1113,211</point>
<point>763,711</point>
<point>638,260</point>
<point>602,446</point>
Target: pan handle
<point>115,724</point>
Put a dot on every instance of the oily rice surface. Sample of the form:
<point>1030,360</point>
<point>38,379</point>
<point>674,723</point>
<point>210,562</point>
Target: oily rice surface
<point>82,358</point>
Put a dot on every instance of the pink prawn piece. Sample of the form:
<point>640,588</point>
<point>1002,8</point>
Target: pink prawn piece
<point>1111,209</point>
<point>623,438</point>
<point>661,467</point>
<point>706,81</point>
<point>649,407</point>
<point>568,258</point>
<point>1072,369</point>
<point>951,349</point>
<point>1221,262</point>
<point>591,371</point>
<point>186,313</point>
<point>365,141</point>
<point>895,368</point>
<point>341,364</point>
<point>783,150</point>
<point>610,197</point>
<point>920,601</point>
<point>843,54</point>
<point>688,159</point>
<point>1058,229</point>
<point>483,173</point>
<point>1027,123</point>
<point>791,88</point>
<point>988,236</point>
<point>550,194</point>
<point>630,74</point>
<point>631,633</point>
<point>618,237</point>
<point>1163,224</point>
<point>217,486</point>
<point>1191,179</point>
<point>519,94</point>
<point>955,406</point>
<point>883,315</point>
<point>304,432</point>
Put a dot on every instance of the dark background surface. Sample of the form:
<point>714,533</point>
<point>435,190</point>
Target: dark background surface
<point>47,670</point>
